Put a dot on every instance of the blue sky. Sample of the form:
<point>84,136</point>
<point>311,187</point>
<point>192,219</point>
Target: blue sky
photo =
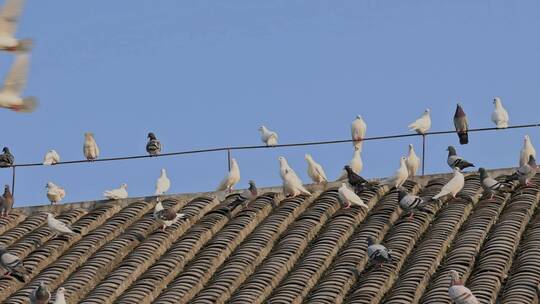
<point>207,73</point>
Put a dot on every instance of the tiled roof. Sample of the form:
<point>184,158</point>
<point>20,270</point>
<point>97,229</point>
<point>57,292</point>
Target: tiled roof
<point>283,250</point>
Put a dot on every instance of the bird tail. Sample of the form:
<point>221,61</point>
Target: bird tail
<point>25,45</point>
<point>463,138</point>
<point>48,162</point>
<point>512,177</point>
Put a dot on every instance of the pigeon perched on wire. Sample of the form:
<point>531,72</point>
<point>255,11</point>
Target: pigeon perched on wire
<point>356,181</point>
<point>315,170</point>
<point>245,196</point>
<point>6,202</point>
<point>526,151</point>
<point>292,186</point>
<point>6,158</point>
<point>453,186</point>
<point>166,216</point>
<point>355,164</point>
<point>9,18</point>
<point>358,132</point>
<point>412,162</point>
<point>60,297</point>
<point>377,253</point>
<point>499,115</point>
<point>153,147</point>
<point>13,265</point>
<point>90,147</point>
<point>410,203</point>
<point>491,185</point>
<point>55,193</point>
<point>455,161</point>
<point>58,226</point>
<point>524,173</point>
<point>422,124</point>
<point>269,138</point>
<point>458,292</point>
<point>400,176</point>
<point>41,295</point>
<point>349,198</point>
<point>462,125</point>
<point>51,158</point>
<point>163,183</point>
<point>231,179</point>
<point>14,83</point>
<point>116,194</point>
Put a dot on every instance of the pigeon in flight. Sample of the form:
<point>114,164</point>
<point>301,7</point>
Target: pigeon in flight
<point>356,181</point>
<point>358,132</point>
<point>60,296</point>
<point>116,194</point>
<point>292,186</point>
<point>166,216</point>
<point>526,151</point>
<point>500,115</point>
<point>459,293</point>
<point>412,162</point>
<point>51,158</point>
<point>355,164</point>
<point>490,184</point>
<point>6,202</point>
<point>13,265</point>
<point>14,83</point>
<point>58,226</point>
<point>399,177</point>
<point>315,170</point>
<point>9,17</point>
<point>54,193</point>
<point>524,173</point>
<point>41,295</point>
<point>455,161</point>
<point>422,124</point>
<point>462,125</point>
<point>377,253</point>
<point>163,183</point>
<point>453,186</point>
<point>348,197</point>
<point>153,147</point>
<point>269,138</point>
<point>90,148</point>
<point>6,158</point>
<point>231,179</point>
<point>410,203</point>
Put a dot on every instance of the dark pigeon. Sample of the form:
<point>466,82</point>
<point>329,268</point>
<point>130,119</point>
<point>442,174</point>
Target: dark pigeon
<point>153,147</point>
<point>6,159</point>
<point>41,295</point>
<point>356,181</point>
<point>6,202</point>
<point>462,125</point>
<point>454,160</point>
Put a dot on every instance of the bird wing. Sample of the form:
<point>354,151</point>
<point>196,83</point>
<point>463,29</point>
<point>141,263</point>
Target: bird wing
<point>10,260</point>
<point>318,168</point>
<point>9,16</point>
<point>16,77</point>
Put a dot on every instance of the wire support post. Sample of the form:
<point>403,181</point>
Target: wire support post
<point>13,181</point>
<point>229,159</point>
<point>423,153</point>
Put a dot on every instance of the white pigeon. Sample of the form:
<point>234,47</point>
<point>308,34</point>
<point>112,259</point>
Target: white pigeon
<point>9,17</point>
<point>526,151</point>
<point>454,185</point>
<point>459,293</point>
<point>270,138</point>
<point>166,216</point>
<point>412,162</point>
<point>292,186</point>
<point>348,197</point>
<point>163,183</point>
<point>57,226</point>
<point>232,178</point>
<point>400,176</point>
<point>500,115</point>
<point>117,194</point>
<point>284,167</point>
<point>422,124</point>
<point>90,147</point>
<point>315,170</point>
<point>51,158</point>
<point>356,165</point>
<point>60,296</point>
<point>54,193</point>
<point>14,83</point>
<point>358,132</point>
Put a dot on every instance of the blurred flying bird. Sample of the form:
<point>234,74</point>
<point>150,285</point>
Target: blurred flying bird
<point>9,17</point>
<point>14,83</point>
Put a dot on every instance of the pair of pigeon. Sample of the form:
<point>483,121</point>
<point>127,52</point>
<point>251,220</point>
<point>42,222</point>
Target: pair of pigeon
<point>91,149</point>
<point>42,295</point>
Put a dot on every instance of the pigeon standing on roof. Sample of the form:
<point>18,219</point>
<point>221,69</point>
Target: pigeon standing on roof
<point>6,202</point>
<point>153,147</point>
<point>51,158</point>
<point>455,161</point>
<point>6,158</point>
<point>459,293</point>
<point>526,151</point>
<point>355,164</point>
<point>356,181</point>
<point>422,124</point>
<point>9,17</point>
<point>166,216</point>
<point>377,253</point>
<point>284,167</point>
<point>14,83</point>
<point>116,194</point>
<point>231,179</point>
<point>269,138</point>
<point>358,132</point>
<point>412,162</point>
<point>348,197</point>
<point>524,173</point>
<point>399,177</point>
<point>54,193</point>
<point>60,296</point>
<point>462,125</point>
<point>453,186</point>
<point>41,295</point>
<point>315,170</point>
<point>58,226</point>
<point>90,148</point>
<point>292,186</point>
<point>163,183</point>
<point>410,203</point>
<point>499,116</point>
<point>490,184</point>
<point>245,196</point>
<point>12,264</point>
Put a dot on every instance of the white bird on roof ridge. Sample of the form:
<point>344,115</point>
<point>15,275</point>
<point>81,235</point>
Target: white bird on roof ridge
<point>231,179</point>
<point>116,194</point>
<point>458,292</point>
<point>453,186</point>
<point>358,132</point>
<point>526,151</point>
<point>163,183</point>
<point>51,157</point>
<point>499,115</point>
<point>58,226</point>
<point>270,138</point>
<point>412,162</point>
<point>356,165</point>
<point>9,17</point>
<point>60,297</point>
<point>292,186</point>
<point>422,124</point>
<point>14,83</point>
<point>315,170</point>
<point>284,168</point>
<point>55,193</point>
<point>90,147</point>
<point>400,176</point>
<point>349,198</point>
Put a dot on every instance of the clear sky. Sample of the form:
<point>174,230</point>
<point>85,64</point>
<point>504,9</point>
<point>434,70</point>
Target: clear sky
<point>207,73</point>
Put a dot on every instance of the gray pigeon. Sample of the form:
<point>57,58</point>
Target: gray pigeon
<point>153,147</point>
<point>524,173</point>
<point>410,203</point>
<point>377,253</point>
<point>6,159</point>
<point>462,125</point>
<point>244,197</point>
<point>6,202</point>
<point>41,295</point>
<point>490,184</point>
<point>454,160</point>
<point>12,264</point>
